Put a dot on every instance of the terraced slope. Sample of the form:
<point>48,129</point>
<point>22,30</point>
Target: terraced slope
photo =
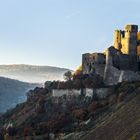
<point>122,125</point>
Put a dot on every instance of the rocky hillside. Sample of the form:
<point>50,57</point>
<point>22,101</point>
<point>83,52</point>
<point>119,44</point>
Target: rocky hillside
<point>33,74</point>
<point>13,92</point>
<point>115,117</point>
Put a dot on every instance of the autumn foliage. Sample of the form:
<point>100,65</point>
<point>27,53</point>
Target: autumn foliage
<point>80,114</point>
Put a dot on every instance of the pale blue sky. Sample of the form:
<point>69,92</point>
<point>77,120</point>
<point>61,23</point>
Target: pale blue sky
<point>57,32</point>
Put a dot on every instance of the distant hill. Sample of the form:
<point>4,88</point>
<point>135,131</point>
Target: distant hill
<point>13,92</point>
<point>31,73</point>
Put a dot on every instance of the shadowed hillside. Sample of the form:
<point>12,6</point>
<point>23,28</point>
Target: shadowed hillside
<point>13,92</point>
<point>116,117</point>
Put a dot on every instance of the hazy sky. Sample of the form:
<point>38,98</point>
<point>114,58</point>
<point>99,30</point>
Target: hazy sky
<point>57,32</point>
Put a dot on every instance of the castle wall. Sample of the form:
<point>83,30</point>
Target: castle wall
<point>88,92</point>
<point>118,60</point>
<point>59,93</point>
<point>112,57</point>
<point>124,62</point>
<point>86,63</point>
<point>113,76</point>
<point>90,60</point>
<point>100,93</point>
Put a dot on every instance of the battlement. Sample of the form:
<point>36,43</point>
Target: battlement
<point>131,28</point>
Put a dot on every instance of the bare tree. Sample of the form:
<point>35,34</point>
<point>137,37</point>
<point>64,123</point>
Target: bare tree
<point>68,76</point>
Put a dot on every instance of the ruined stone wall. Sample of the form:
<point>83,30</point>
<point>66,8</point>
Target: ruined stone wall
<point>88,92</point>
<point>91,60</point>
<point>121,61</point>
<point>100,93</point>
<point>124,62</point>
<point>113,76</point>
<point>67,92</point>
<point>86,63</point>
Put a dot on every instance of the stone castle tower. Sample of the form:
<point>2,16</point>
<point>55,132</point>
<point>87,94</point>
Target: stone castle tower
<point>126,41</point>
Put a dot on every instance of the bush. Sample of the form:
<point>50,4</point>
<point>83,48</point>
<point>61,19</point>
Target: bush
<point>93,106</point>
<point>80,114</point>
<point>121,97</point>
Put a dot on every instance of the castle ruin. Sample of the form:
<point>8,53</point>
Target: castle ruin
<point>124,55</point>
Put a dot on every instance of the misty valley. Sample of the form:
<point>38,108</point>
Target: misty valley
<point>13,91</point>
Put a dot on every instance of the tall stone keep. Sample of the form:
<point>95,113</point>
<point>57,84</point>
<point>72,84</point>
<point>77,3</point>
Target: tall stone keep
<point>126,40</point>
<point>130,43</point>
